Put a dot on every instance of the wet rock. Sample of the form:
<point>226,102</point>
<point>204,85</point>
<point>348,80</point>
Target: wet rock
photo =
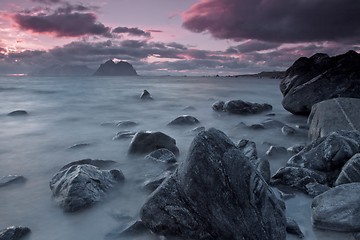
<point>248,148</point>
<point>276,151</point>
<point>10,179</point>
<point>338,209</point>
<point>218,106</point>
<point>80,186</point>
<point>14,233</point>
<point>124,135</point>
<point>267,124</point>
<point>286,130</point>
<point>153,183</point>
<point>241,107</point>
<point>301,126</point>
<point>18,113</point>
<point>79,145</point>
<point>145,96</point>
<point>318,78</point>
<point>295,149</point>
<point>146,142</point>
<point>195,131</point>
<point>94,162</point>
<point>328,153</point>
<point>126,123</point>
<point>184,120</point>
<point>263,167</point>
<point>293,228</point>
<point>234,203</point>
<point>350,171</point>
<point>314,189</point>
<point>298,177</point>
<point>161,155</point>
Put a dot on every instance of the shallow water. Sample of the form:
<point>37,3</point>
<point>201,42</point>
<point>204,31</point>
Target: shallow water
<point>68,111</point>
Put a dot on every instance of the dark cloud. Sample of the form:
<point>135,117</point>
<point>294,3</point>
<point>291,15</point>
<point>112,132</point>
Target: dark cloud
<point>47,1</point>
<point>277,20</point>
<point>66,21</point>
<point>131,31</point>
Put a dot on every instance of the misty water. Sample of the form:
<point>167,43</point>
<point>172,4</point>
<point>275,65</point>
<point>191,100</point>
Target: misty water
<point>68,111</point>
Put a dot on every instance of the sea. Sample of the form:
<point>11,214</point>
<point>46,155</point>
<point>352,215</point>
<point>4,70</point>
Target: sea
<point>65,111</point>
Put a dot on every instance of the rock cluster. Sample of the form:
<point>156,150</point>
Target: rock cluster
<point>240,107</point>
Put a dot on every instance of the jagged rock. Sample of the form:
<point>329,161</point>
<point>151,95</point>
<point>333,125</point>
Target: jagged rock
<point>295,149</point>
<point>234,203</point>
<point>286,130</point>
<point>320,77</point>
<point>218,106</point>
<point>152,183</point>
<point>18,113</point>
<point>298,177</point>
<point>263,167</point>
<point>14,233</point>
<point>293,228</point>
<point>110,68</point>
<point>79,145</point>
<point>10,179</point>
<point>124,135</point>
<point>248,148</point>
<point>276,151</point>
<point>350,171</point>
<point>328,153</point>
<point>338,209</point>
<point>161,155</point>
<point>80,186</point>
<point>146,142</point>
<point>184,120</point>
<point>94,162</point>
<point>314,189</point>
<point>241,107</point>
<point>146,96</point>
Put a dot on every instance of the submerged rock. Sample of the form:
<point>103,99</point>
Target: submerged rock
<point>218,106</point>
<point>162,155</point>
<point>18,113</point>
<point>14,233</point>
<point>241,107</point>
<point>80,186</point>
<point>146,96</point>
<point>320,77</point>
<point>79,145</point>
<point>338,209</point>
<point>10,179</point>
<point>350,171</point>
<point>184,120</point>
<point>146,142</point>
<point>234,203</point>
<point>293,228</point>
<point>124,135</point>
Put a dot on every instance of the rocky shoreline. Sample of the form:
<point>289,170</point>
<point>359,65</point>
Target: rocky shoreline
<point>222,189</point>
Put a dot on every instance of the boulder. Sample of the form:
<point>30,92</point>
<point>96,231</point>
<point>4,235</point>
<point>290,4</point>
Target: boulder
<point>94,162</point>
<point>286,130</point>
<point>162,155</point>
<point>218,106</point>
<point>234,203</point>
<point>318,78</point>
<point>145,142</point>
<point>14,233</point>
<point>338,209</point>
<point>350,171</point>
<point>184,120</point>
<point>80,186</point>
<point>10,179</point>
<point>328,153</point>
<point>241,107</point>
<point>293,228</point>
<point>18,113</point>
<point>146,96</point>
<point>276,151</point>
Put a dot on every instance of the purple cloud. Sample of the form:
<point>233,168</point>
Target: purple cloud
<point>132,31</point>
<point>276,20</point>
<point>47,1</point>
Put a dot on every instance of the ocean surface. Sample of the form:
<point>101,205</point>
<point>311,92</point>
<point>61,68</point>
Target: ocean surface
<point>68,111</point>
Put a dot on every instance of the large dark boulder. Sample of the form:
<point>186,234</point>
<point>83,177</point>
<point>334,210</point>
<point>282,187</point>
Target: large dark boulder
<point>110,68</point>
<point>80,186</point>
<point>145,142</point>
<point>14,233</point>
<point>320,77</point>
<point>338,209</point>
<point>215,193</point>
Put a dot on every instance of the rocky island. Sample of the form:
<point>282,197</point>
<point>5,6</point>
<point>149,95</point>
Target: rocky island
<point>110,68</point>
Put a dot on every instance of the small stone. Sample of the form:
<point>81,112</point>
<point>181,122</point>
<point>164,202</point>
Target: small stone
<point>10,179</point>
<point>275,150</point>
<point>295,149</point>
<point>14,233</point>
<point>146,96</point>
<point>18,113</point>
<point>286,130</point>
<point>124,135</point>
<point>79,145</point>
<point>293,228</point>
<point>218,106</point>
<point>126,123</point>
<point>184,120</point>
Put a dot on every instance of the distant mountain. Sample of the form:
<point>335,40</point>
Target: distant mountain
<point>273,74</point>
<point>64,71</point>
<point>110,68</point>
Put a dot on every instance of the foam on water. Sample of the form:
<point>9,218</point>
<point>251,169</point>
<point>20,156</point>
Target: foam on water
<point>68,111</point>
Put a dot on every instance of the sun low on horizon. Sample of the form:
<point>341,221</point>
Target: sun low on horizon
<point>174,37</point>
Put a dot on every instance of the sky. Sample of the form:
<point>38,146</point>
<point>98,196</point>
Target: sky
<point>174,37</point>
